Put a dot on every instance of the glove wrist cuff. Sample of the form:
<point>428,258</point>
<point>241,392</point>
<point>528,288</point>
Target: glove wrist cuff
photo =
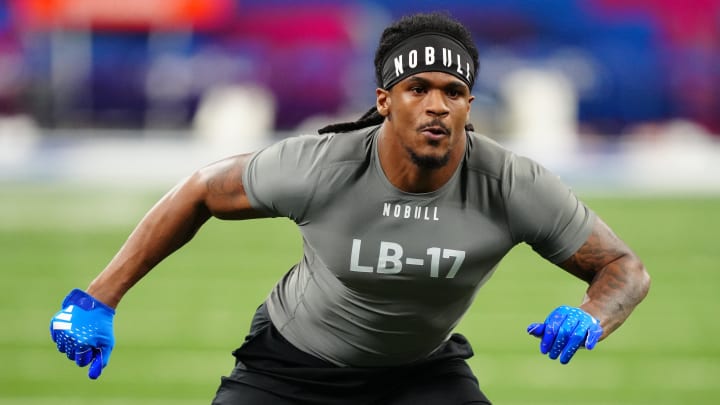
<point>85,301</point>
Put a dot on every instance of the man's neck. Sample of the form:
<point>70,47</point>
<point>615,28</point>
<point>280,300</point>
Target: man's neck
<point>405,174</point>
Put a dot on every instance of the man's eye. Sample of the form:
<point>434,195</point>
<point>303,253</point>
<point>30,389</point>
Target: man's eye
<point>417,89</point>
<point>453,93</point>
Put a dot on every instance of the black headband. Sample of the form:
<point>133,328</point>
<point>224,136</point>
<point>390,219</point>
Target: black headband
<point>428,52</point>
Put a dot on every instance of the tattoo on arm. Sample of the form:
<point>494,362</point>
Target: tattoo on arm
<point>618,280</point>
<point>602,248</point>
<point>226,182</point>
<point>226,197</point>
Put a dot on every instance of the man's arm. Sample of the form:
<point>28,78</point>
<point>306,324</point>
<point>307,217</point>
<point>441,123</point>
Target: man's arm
<point>215,190</point>
<point>618,279</point>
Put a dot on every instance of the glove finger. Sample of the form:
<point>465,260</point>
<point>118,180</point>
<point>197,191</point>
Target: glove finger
<point>536,329</point>
<point>97,364</point>
<point>574,343</point>
<point>54,335</point>
<point>84,357</point>
<point>563,336</point>
<point>106,352</point>
<point>552,326</point>
<point>570,350</point>
<point>61,346</point>
<point>593,336</point>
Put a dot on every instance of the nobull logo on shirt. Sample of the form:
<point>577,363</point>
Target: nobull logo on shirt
<point>405,211</point>
<point>428,56</point>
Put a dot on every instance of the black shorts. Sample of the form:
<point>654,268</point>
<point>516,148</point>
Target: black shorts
<point>270,370</point>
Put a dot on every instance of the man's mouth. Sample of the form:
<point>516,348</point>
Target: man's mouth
<point>434,131</point>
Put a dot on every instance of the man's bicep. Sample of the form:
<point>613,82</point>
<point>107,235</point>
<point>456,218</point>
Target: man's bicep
<point>600,249</point>
<point>225,195</point>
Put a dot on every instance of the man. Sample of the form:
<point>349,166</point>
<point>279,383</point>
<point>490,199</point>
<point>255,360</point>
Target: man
<point>404,215</point>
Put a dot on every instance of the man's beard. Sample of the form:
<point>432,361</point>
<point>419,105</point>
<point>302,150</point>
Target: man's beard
<point>428,162</point>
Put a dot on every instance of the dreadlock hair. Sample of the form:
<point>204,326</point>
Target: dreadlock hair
<point>391,37</point>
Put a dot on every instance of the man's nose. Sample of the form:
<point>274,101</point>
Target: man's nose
<point>436,103</point>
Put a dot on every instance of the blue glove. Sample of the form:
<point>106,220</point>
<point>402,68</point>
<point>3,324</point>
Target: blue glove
<point>565,330</point>
<point>83,330</point>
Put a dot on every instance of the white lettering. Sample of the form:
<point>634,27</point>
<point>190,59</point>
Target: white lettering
<point>459,256</point>
<point>436,252</point>
<point>390,260</point>
<point>406,211</point>
<point>398,66</point>
<point>447,57</point>
<point>429,55</point>
<point>355,259</point>
<point>412,59</point>
<point>389,263</point>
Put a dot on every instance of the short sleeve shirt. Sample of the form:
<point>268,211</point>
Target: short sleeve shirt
<point>385,274</point>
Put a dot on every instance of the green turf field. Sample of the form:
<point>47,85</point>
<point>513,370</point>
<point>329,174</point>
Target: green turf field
<point>176,329</point>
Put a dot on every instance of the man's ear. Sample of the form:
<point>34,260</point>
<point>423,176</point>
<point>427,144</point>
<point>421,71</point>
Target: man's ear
<point>382,101</point>
<point>470,100</point>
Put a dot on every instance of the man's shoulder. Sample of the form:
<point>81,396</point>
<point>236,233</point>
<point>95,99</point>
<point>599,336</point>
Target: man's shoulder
<point>335,147</point>
<point>487,156</point>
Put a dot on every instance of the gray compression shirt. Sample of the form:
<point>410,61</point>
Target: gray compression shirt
<point>385,274</point>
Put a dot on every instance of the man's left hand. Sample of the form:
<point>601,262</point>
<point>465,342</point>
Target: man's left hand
<point>564,331</point>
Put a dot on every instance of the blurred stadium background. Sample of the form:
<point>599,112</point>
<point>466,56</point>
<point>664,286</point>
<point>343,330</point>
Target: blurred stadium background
<point>104,105</point>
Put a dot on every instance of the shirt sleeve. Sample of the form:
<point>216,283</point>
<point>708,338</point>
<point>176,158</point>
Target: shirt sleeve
<point>280,179</point>
<point>544,212</point>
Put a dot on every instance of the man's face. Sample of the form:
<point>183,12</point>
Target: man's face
<point>426,115</point>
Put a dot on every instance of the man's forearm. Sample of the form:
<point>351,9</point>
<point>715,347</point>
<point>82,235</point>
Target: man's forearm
<point>171,223</point>
<point>615,292</point>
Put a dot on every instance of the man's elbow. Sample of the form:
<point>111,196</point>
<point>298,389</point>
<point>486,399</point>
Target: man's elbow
<point>640,276</point>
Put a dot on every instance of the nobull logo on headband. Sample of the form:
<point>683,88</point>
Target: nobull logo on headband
<point>428,52</point>
<point>448,61</point>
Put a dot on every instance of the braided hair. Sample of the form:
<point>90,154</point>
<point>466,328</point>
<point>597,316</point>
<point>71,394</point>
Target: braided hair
<point>391,37</point>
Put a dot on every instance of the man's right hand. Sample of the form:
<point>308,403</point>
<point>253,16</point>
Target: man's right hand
<point>83,330</point>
